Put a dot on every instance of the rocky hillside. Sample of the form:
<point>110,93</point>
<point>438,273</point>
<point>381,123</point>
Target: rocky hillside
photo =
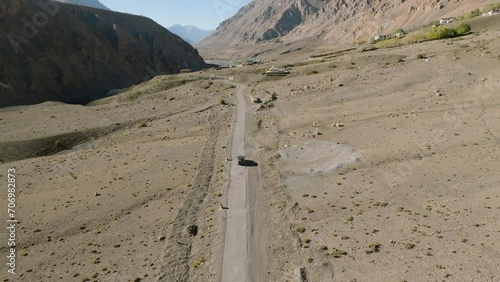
<point>329,20</point>
<point>87,3</point>
<point>79,54</point>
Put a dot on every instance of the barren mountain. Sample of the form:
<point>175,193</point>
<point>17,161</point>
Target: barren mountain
<point>79,54</point>
<point>328,20</point>
<point>87,3</point>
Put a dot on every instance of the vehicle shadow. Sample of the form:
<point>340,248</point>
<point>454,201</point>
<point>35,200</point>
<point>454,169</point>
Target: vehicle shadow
<point>250,163</point>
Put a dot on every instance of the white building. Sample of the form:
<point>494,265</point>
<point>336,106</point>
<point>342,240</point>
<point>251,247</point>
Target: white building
<point>446,20</point>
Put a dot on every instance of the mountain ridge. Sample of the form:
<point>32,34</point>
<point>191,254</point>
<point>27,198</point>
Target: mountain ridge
<point>82,53</point>
<point>87,3</point>
<point>328,20</point>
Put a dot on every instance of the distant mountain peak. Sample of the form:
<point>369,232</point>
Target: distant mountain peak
<point>190,33</point>
<point>87,3</point>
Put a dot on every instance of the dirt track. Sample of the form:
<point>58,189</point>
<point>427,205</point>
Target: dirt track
<point>239,239</point>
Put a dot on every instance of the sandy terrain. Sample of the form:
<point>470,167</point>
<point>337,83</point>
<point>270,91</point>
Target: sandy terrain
<point>399,183</point>
<point>112,208</point>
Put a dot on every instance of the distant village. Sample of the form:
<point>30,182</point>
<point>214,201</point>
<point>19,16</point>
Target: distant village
<point>401,33</point>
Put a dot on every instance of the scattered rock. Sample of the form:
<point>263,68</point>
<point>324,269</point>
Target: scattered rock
<point>312,134</point>
<point>340,85</point>
<point>256,100</point>
<point>338,124</point>
<point>162,238</point>
<point>97,194</point>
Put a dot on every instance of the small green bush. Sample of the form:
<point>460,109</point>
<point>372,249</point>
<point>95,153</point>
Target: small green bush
<point>440,33</point>
<point>398,31</point>
<point>414,38</point>
<point>388,43</point>
<point>374,248</point>
<point>462,28</point>
<point>59,144</point>
<point>336,253</point>
<point>199,262</point>
<point>432,23</point>
<point>301,229</point>
<point>359,42</point>
<point>474,13</point>
<point>494,7</point>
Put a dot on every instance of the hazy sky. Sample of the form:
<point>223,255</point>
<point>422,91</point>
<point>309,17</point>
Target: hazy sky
<point>205,14</point>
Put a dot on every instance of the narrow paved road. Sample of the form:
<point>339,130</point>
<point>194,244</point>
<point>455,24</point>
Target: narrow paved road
<point>235,264</point>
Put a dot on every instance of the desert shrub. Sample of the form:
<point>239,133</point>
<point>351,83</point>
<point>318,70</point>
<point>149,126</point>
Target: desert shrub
<point>432,23</point>
<point>474,13</point>
<point>409,246</point>
<point>143,124</point>
<point>58,143</point>
<point>399,30</point>
<point>359,42</point>
<point>223,102</point>
<point>494,7</point>
<point>414,38</point>
<point>199,261</point>
<point>374,248</point>
<point>421,56</point>
<point>336,253</point>
<point>440,33</point>
<point>393,42</point>
<point>301,229</point>
<point>462,28</point>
